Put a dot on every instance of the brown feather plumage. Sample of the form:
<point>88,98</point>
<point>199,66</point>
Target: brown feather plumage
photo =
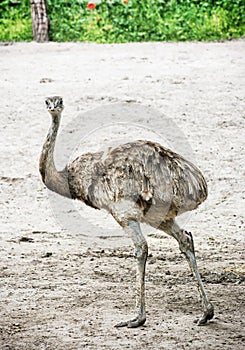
<point>143,173</point>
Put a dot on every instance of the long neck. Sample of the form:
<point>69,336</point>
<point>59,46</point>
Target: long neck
<point>56,181</point>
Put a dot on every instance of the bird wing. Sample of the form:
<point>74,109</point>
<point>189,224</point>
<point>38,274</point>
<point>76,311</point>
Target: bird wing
<point>146,171</point>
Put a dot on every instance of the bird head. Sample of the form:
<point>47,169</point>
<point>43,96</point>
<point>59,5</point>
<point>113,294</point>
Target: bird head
<point>54,105</point>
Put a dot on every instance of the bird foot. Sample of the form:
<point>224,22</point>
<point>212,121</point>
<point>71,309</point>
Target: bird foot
<point>135,322</point>
<point>207,315</point>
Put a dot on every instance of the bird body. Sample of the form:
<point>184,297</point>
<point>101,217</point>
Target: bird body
<point>143,174</point>
<point>136,182</point>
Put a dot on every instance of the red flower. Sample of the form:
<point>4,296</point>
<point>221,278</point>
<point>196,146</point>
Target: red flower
<point>125,2</point>
<point>98,19</point>
<point>91,6</point>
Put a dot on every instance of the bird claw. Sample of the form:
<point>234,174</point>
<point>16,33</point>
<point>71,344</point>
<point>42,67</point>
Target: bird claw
<point>207,315</point>
<point>135,322</point>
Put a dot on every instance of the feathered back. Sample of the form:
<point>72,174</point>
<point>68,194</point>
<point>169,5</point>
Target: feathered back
<point>143,172</point>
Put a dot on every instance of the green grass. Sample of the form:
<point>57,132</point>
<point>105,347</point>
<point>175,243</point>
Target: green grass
<point>16,29</point>
<point>116,22</point>
<point>15,21</point>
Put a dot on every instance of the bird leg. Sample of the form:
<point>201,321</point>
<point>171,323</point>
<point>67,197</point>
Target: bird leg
<point>141,253</point>
<point>186,245</point>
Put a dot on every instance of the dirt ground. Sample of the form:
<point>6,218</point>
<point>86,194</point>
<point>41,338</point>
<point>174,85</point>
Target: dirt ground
<point>59,287</point>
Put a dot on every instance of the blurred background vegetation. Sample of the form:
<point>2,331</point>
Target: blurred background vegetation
<point>119,21</point>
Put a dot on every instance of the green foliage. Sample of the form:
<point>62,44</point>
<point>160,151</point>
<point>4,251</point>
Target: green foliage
<point>15,20</point>
<point>119,21</point>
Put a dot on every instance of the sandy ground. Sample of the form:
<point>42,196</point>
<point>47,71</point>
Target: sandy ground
<point>60,288</point>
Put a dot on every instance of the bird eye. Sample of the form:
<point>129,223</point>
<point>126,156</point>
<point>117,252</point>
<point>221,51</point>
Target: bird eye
<point>47,103</point>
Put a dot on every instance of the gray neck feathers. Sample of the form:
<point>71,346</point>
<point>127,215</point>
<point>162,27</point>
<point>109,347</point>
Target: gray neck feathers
<point>56,181</point>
